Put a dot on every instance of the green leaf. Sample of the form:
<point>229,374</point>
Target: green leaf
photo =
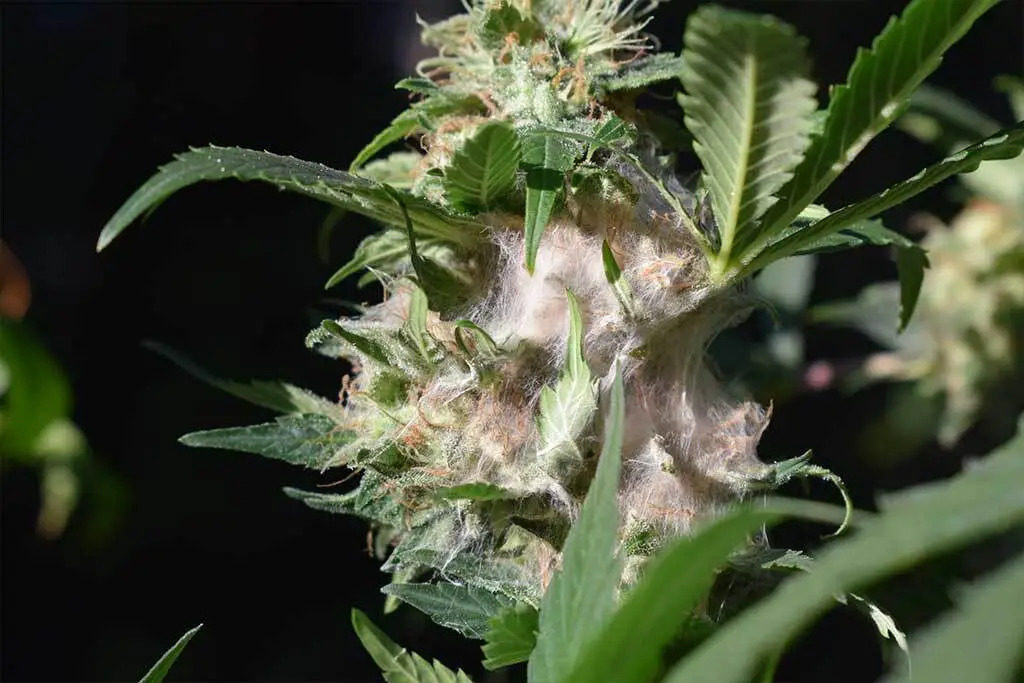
<point>160,669</point>
<point>928,520</point>
<point>369,348</point>
<point>546,159</point>
<point>442,287</point>
<point>581,597</point>
<point>482,343</point>
<point>387,251</point>
<point>630,646</point>
<point>500,574</point>
<point>800,466</point>
<point>422,86</point>
<point>910,264</point>
<point>465,609</point>
<point>379,508</point>
<point>360,195</point>
<point>310,440</point>
<point>884,623</point>
<point>641,73</point>
<point>278,396</point>
<point>567,409</point>
<point>787,561</point>
<point>667,195</point>
<point>868,233</point>
<point>416,322</point>
<point>748,104</point>
<point>484,170</point>
<point>876,91</point>
<point>511,637</point>
<point>403,125</point>
<point>619,284</point>
<point>911,259</point>
<point>396,663</point>
<point>943,119</point>
<point>612,129</point>
<point>416,117</point>
<point>862,233</point>
<point>981,639</point>
<point>1003,145</point>
<point>37,394</point>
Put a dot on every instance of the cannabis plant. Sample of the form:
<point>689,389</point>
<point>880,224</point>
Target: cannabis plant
<point>551,287</point>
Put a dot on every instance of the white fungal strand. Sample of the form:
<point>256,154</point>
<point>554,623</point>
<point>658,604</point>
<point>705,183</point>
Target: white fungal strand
<point>689,448</point>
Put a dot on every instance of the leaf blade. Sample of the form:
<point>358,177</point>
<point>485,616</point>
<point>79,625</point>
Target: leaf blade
<point>567,409</point>
<point>979,641</point>
<point>277,396</point>
<point>870,100</point>
<point>1003,145</point>
<point>581,597</point>
<point>628,649</point>
<point>483,171</point>
<point>396,663</point>
<point>304,439</point>
<point>402,126</point>
<point>159,670</point>
<point>360,195</point>
<point>464,609</point>
<point>511,637</point>
<point>546,159</point>
<point>748,102</point>
<point>930,519</point>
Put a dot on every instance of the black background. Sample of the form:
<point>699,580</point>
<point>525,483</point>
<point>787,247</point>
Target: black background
<point>95,96</point>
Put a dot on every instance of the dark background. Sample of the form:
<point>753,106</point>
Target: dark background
<point>95,96</point>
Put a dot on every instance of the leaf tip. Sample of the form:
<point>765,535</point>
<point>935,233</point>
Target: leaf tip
<point>106,237</point>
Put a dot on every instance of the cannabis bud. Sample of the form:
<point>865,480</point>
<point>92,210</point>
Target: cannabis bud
<point>538,246</point>
<point>475,408</point>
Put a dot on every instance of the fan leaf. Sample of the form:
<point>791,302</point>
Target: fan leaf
<point>928,520</point>
<point>466,609</point>
<point>628,649</point>
<point>361,195</point>
<point>880,82</point>
<point>748,103</point>
<point>642,73</point>
<point>484,170</point>
<point>1003,145</point>
<point>277,396</point>
<point>979,641</point>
